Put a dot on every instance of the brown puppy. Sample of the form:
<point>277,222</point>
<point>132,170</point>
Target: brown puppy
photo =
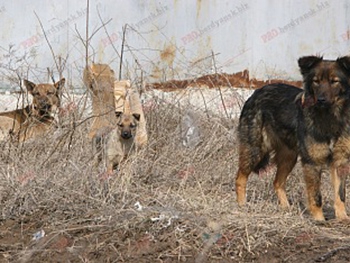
<point>115,145</point>
<point>36,118</point>
<point>284,121</point>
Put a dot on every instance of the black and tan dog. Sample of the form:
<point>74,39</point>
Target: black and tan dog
<point>36,118</point>
<point>284,122</point>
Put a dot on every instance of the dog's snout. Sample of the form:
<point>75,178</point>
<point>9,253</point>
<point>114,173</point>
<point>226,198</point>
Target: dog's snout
<point>321,99</point>
<point>126,134</point>
<point>42,101</point>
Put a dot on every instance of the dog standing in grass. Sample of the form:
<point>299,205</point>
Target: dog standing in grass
<point>284,122</point>
<point>35,119</point>
<point>113,145</point>
<point>120,142</point>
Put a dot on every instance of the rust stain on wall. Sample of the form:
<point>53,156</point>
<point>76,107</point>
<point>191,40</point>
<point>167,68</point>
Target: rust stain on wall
<point>168,54</point>
<point>199,7</point>
<point>238,80</point>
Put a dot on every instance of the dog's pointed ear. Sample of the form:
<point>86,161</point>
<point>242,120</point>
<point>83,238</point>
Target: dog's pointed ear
<point>344,62</point>
<point>29,85</point>
<point>118,113</point>
<point>59,84</point>
<point>307,63</point>
<point>136,116</point>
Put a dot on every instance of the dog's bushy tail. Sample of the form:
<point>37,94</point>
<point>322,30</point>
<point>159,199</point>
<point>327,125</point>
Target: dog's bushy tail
<point>254,156</point>
<point>265,160</point>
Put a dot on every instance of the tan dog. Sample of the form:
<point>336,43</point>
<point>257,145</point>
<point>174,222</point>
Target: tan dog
<point>99,78</point>
<point>120,142</point>
<point>124,93</point>
<point>7,127</point>
<point>36,118</point>
<point>113,145</point>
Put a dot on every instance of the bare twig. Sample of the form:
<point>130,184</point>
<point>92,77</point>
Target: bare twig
<point>50,74</point>
<point>47,41</point>
<point>86,41</point>
<point>214,62</point>
<point>122,52</point>
<point>87,34</point>
<point>219,88</point>
<point>108,35</point>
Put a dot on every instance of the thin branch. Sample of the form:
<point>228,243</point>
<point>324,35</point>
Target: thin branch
<point>47,41</point>
<point>214,62</point>
<point>86,41</point>
<point>87,34</point>
<point>98,29</point>
<point>220,92</point>
<point>122,52</point>
<point>50,74</point>
<point>106,31</point>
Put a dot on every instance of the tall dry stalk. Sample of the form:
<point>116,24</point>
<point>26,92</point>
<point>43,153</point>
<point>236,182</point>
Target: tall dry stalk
<point>87,33</point>
<point>122,52</point>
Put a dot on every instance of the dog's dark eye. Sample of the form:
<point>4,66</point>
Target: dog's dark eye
<point>121,125</point>
<point>316,81</point>
<point>118,114</point>
<point>132,125</point>
<point>50,93</point>
<point>335,81</point>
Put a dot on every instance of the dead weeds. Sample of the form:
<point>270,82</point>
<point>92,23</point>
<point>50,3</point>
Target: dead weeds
<point>168,202</point>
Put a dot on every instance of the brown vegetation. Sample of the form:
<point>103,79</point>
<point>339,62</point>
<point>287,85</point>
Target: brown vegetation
<point>168,203</point>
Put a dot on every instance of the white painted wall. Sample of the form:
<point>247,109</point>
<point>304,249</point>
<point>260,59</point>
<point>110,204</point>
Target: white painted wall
<point>170,38</point>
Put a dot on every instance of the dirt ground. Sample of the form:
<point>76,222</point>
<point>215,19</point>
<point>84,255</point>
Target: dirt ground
<point>104,241</point>
<point>173,201</point>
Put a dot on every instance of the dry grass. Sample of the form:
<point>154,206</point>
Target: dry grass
<point>168,203</point>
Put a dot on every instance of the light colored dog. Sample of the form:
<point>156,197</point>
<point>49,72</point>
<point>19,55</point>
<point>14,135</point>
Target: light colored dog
<point>7,127</point>
<point>113,145</point>
<point>120,142</point>
<point>128,98</point>
<point>118,120</point>
<point>99,78</point>
<point>36,118</point>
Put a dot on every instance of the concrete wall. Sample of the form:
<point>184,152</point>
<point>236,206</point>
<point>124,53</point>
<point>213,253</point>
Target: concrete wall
<point>170,38</point>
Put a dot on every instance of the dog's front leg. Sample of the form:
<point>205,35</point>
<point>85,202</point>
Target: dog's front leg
<point>312,176</point>
<point>241,187</point>
<point>110,167</point>
<point>338,177</point>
